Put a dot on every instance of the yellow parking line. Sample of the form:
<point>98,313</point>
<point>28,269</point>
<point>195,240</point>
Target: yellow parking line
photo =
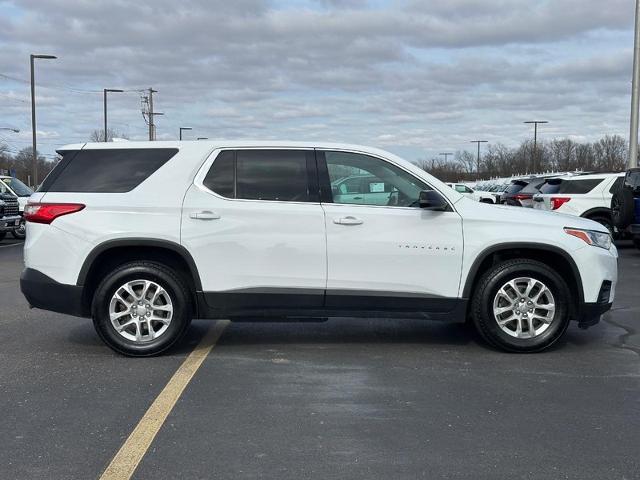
<point>128,457</point>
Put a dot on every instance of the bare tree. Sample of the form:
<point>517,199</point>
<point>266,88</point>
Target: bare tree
<point>98,135</point>
<point>610,152</point>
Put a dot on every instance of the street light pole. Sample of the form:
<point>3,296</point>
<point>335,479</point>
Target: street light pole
<point>535,142</point>
<point>184,128</point>
<point>446,155</point>
<point>105,108</point>
<point>635,91</point>
<point>34,160</point>
<point>478,158</point>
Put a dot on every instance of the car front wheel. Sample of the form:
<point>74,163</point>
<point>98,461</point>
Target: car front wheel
<point>141,309</point>
<point>21,232</point>
<point>521,305</point>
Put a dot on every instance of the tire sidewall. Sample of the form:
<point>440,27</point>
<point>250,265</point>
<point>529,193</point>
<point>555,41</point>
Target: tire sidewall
<point>20,233</point>
<point>100,309</point>
<point>560,293</point>
<point>622,208</point>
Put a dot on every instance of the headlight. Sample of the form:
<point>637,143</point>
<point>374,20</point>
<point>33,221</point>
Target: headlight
<point>591,237</point>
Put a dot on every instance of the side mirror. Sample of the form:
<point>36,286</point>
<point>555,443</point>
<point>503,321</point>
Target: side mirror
<point>432,200</point>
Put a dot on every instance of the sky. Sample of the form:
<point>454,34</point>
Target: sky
<point>415,77</point>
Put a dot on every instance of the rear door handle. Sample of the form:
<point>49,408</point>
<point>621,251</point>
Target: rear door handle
<point>349,220</point>
<point>205,215</point>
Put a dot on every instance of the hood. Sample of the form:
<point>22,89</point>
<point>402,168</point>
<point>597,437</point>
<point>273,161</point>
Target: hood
<point>472,210</point>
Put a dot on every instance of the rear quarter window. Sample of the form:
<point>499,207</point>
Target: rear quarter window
<point>105,171</point>
<point>551,186</point>
<point>615,186</point>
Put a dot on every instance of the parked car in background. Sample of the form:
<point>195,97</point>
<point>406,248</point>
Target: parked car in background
<point>483,190</point>
<point>521,191</point>
<point>256,230</point>
<point>587,196</point>
<point>469,192</point>
<point>9,217</point>
<point>625,205</point>
<point>22,192</point>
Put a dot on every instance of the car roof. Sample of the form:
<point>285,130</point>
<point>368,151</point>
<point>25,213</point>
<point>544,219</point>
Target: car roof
<point>591,176</point>
<point>214,144</point>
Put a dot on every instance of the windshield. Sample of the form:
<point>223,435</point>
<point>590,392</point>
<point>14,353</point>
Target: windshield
<point>19,188</point>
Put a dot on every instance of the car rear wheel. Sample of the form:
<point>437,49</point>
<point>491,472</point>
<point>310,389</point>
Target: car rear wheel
<point>521,305</point>
<point>2,235</point>
<point>141,309</point>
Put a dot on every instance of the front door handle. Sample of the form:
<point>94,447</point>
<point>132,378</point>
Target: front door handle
<point>349,220</point>
<point>205,215</point>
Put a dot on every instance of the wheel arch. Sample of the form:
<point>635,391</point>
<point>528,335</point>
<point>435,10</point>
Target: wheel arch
<point>552,256</point>
<point>597,212</point>
<point>113,253</point>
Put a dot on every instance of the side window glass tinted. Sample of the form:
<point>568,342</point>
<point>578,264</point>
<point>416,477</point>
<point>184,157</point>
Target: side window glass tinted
<point>616,185</point>
<point>109,170</point>
<point>380,182</point>
<point>281,175</point>
<point>220,178</point>
<point>579,186</point>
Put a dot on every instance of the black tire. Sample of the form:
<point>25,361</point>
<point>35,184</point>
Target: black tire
<point>166,278</point>
<point>636,242</point>
<point>20,233</point>
<point>2,235</point>
<point>486,200</point>
<point>622,208</point>
<point>605,222</point>
<point>487,288</point>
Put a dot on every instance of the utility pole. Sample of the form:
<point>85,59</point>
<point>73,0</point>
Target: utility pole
<point>446,155</point>
<point>34,166</point>
<point>151,124</point>
<point>478,158</point>
<point>535,143</point>
<point>106,90</point>
<point>152,114</point>
<point>635,90</point>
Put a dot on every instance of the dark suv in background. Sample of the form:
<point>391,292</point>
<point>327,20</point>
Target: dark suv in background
<point>520,193</point>
<point>625,205</point>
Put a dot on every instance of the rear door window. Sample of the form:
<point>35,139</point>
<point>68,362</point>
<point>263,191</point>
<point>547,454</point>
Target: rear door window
<point>105,170</point>
<point>279,175</point>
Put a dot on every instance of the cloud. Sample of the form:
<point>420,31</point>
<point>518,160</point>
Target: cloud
<point>402,74</point>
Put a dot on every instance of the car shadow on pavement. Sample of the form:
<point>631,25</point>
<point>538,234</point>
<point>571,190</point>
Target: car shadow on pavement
<point>348,331</point>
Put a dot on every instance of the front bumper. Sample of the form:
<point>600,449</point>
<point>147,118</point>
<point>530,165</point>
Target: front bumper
<point>591,312</point>
<point>8,224</point>
<point>44,292</point>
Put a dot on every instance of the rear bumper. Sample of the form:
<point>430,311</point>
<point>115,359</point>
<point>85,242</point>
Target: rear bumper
<point>44,292</point>
<point>8,224</point>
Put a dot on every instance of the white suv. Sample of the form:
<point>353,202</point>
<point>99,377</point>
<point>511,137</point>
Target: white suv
<point>469,192</point>
<point>142,238</point>
<point>587,196</point>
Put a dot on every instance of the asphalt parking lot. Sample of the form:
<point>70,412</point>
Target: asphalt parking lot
<point>345,399</point>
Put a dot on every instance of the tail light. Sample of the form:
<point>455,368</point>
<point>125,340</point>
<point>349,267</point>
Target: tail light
<point>48,212</point>
<point>557,202</point>
<point>523,196</point>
